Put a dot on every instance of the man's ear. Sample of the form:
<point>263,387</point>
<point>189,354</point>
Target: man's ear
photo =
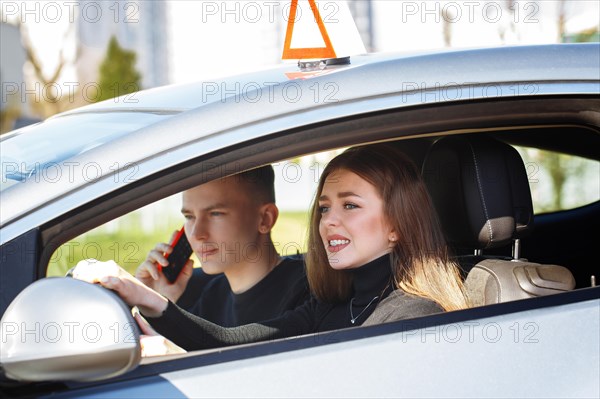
<point>268,216</point>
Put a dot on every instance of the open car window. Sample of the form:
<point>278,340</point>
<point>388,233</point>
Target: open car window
<point>128,239</point>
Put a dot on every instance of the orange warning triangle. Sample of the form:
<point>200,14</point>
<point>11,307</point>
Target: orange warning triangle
<point>307,52</point>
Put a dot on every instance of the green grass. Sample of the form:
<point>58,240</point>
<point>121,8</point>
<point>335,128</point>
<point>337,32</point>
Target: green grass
<point>130,243</point>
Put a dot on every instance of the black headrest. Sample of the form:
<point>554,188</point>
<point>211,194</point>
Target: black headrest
<point>480,190</point>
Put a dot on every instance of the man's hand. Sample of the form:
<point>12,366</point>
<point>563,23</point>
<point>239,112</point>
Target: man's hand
<point>131,290</point>
<point>149,274</point>
<point>134,293</point>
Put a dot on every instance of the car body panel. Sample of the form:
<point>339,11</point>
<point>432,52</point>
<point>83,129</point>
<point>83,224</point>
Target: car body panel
<point>149,387</point>
<point>470,359</point>
<point>520,351</point>
<point>543,347</point>
<point>385,73</point>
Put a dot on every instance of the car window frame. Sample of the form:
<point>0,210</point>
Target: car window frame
<point>425,120</point>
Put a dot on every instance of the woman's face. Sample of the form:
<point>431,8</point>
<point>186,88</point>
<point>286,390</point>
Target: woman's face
<point>353,227</point>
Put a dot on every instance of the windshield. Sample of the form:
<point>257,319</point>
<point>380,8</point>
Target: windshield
<point>27,152</point>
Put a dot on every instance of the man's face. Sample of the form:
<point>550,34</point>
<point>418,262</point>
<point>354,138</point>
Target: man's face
<point>221,223</point>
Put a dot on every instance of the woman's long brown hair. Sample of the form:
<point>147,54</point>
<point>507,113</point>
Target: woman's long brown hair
<point>420,261</point>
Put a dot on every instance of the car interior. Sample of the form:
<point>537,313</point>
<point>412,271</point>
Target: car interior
<point>479,187</point>
<point>483,201</point>
<point>475,179</point>
<point>481,180</point>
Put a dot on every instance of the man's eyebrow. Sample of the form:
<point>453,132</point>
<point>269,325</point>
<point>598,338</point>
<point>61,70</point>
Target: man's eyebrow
<point>219,205</point>
<point>209,208</point>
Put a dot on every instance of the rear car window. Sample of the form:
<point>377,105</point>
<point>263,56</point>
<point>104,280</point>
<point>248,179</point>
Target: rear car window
<point>560,181</point>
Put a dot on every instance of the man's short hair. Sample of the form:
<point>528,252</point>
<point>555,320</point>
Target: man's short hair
<point>260,182</point>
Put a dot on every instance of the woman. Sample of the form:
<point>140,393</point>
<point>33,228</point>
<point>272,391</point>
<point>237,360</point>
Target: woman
<point>419,258</point>
<point>373,235</point>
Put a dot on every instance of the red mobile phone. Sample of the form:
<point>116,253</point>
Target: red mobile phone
<point>182,251</point>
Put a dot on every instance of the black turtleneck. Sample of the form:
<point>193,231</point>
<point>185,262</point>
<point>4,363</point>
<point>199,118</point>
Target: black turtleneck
<point>368,279</point>
<point>372,280</point>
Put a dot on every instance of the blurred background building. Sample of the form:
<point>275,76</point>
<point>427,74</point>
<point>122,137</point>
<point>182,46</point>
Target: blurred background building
<point>13,101</point>
<point>362,11</point>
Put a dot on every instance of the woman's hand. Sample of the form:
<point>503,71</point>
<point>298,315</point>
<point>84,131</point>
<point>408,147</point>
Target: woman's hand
<point>152,343</point>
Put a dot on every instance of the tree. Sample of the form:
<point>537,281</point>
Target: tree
<point>562,20</point>
<point>511,5</point>
<point>52,101</point>
<point>587,35</point>
<point>118,75</point>
<point>448,18</point>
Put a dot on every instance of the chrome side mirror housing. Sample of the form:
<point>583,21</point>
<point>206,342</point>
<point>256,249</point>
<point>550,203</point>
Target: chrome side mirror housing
<point>65,329</point>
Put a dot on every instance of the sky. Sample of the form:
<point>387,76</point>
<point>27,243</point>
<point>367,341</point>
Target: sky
<point>244,41</point>
<point>215,38</point>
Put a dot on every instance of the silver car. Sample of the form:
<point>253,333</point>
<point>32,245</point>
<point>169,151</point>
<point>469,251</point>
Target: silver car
<point>535,331</point>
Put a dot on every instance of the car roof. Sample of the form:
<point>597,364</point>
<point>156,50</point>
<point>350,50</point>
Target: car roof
<point>227,111</point>
<point>383,72</point>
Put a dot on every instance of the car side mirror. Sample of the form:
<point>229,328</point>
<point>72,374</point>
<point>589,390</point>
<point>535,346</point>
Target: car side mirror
<point>65,329</point>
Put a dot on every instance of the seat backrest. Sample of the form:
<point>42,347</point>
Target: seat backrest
<point>480,190</point>
<point>495,281</point>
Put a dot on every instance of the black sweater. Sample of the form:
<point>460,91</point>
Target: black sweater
<point>369,281</point>
<point>284,288</point>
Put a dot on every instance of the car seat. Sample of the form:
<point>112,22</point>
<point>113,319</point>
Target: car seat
<point>480,190</point>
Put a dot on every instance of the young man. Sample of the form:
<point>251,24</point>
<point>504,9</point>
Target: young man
<point>228,223</point>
